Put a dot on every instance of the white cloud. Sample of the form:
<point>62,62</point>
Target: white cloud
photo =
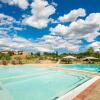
<point>41,11</point>
<point>72,35</point>
<point>18,28</point>
<point>91,37</point>
<point>16,42</point>
<point>57,42</point>
<point>69,37</point>
<point>7,24</point>
<point>21,3</point>
<point>94,18</point>
<point>5,20</point>
<point>20,43</point>
<point>55,4</point>
<point>53,21</point>
<point>61,36</point>
<point>81,29</point>
<point>59,29</point>
<point>73,15</point>
<point>95,45</point>
<point>43,49</point>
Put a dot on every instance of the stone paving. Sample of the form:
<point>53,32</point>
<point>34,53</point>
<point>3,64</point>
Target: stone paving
<point>91,93</point>
<point>95,93</point>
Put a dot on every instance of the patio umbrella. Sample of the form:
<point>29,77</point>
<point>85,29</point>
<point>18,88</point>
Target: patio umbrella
<point>69,57</point>
<point>90,58</point>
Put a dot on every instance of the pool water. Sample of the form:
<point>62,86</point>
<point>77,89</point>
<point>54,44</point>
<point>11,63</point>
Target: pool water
<point>18,71</point>
<point>83,67</point>
<point>39,83</point>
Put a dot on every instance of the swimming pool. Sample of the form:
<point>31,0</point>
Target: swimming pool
<point>34,83</point>
<point>83,67</point>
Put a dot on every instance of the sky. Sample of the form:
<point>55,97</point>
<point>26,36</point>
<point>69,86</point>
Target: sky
<point>64,26</point>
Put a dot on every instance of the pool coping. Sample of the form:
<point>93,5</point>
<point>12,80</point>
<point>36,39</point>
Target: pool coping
<point>87,92</point>
<point>75,92</point>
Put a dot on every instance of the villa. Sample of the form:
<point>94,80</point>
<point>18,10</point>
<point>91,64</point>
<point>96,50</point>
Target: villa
<point>5,51</point>
<point>16,52</point>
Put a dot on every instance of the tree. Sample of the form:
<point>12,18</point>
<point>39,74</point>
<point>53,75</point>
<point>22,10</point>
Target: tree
<point>5,56</point>
<point>19,60</point>
<point>90,51</point>
<point>11,53</point>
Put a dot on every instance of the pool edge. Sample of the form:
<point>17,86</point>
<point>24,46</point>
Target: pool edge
<point>72,94</point>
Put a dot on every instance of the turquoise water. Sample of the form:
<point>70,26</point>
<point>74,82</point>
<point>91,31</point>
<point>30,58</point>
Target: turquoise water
<point>39,83</point>
<point>18,71</point>
<point>83,67</point>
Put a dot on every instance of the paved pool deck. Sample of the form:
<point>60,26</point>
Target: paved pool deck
<point>95,93</point>
<point>91,93</point>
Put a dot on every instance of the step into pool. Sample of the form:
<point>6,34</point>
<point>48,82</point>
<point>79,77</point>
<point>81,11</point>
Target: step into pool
<point>34,83</point>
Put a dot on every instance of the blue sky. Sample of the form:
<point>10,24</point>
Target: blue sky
<point>50,25</point>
